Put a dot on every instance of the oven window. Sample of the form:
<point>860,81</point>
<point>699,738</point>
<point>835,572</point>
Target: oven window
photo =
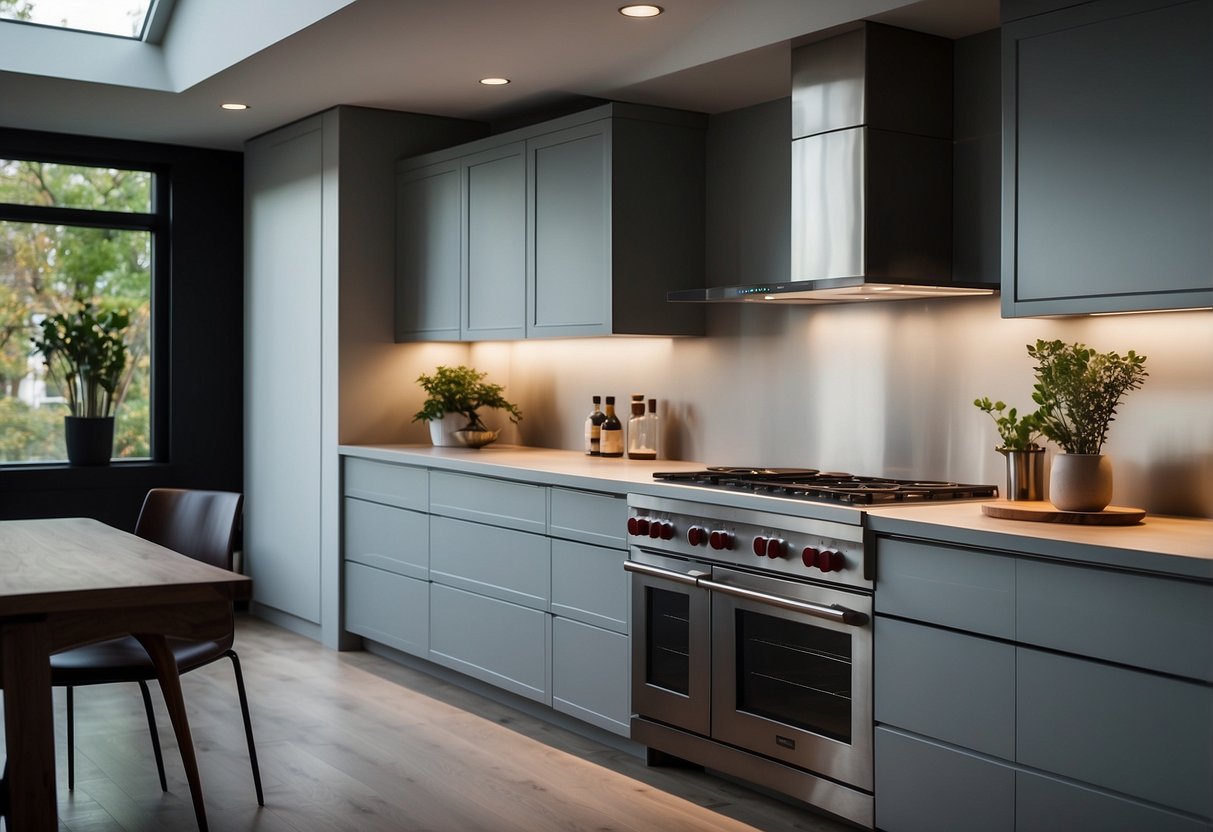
<point>668,617</point>
<point>794,673</point>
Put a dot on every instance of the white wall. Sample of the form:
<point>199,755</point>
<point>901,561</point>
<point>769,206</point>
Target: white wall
<point>880,389</point>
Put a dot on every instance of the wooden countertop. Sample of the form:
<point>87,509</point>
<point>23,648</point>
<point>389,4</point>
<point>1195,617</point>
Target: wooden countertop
<point>1177,546</point>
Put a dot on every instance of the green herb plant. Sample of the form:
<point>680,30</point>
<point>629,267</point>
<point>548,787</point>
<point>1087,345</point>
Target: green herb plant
<point>1017,433</point>
<point>85,353</point>
<point>462,390</point>
<point>1078,391</point>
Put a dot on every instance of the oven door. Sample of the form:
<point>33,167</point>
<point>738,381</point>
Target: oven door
<point>792,676</point>
<point>670,642</point>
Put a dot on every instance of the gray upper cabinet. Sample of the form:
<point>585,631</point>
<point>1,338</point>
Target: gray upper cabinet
<point>576,226</point>
<point>1107,165</point>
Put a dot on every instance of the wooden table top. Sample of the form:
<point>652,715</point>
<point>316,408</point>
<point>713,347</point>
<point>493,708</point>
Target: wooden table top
<point>63,564</point>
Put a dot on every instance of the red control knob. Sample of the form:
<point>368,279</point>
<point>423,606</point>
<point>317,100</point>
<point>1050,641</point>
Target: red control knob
<point>831,562</point>
<point>666,529</point>
<point>809,556</point>
<point>760,546</point>
<point>776,547</point>
<point>638,526</point>
<point>697,535</point>
<point>654,529</point>
<point>720,539</point>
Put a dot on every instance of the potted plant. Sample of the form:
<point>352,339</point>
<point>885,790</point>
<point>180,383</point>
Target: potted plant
<point>454,396</point>
<point>1025,456</point>
<point>85,353</point>
<point>1078,391</point>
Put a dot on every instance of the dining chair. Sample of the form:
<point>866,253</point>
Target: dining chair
<point>199,524</point>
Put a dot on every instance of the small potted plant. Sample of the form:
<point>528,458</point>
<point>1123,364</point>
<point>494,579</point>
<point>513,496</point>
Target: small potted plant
<point>1025,456</point>
<point>85,353</point>
<point>453,397</point>
<point>1078,391</point>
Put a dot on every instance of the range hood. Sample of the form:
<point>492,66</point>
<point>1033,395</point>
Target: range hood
<point>871,173</point>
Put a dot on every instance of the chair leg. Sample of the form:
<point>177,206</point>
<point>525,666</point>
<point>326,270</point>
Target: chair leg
<point>151,728</point>
<point>248,725</point>
<point>71,739</point>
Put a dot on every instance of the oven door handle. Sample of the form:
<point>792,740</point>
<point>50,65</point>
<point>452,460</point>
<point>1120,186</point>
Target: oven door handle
<point>689,579</point>
<point>834,612</point>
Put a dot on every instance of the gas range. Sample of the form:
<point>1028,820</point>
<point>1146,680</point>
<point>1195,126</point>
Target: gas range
<point>826,486</point>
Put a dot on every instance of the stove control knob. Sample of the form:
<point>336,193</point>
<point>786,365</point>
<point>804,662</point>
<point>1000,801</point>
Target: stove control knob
<point>665,529</point>
<point>720,539</point>
<point>638,526</point>
<point>760,546</point>
<point>809,556</point>
<point>697,535</point>
<point>831,562</point>
<point>654,529</point>
<point>776,547</point>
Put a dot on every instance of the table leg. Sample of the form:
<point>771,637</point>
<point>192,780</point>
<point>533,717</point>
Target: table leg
<point>29,729</point>
<point>170,686</point>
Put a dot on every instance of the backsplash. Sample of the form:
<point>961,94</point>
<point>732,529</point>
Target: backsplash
<point>881,389</point>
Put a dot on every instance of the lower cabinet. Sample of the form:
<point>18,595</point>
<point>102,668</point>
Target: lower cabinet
<point>586,678</point>
<point>388,608</point>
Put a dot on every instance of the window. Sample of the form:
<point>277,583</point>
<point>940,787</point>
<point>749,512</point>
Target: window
<point>71,234</point>
<point>124,18</point>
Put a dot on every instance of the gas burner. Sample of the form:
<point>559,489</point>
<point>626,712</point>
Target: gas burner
<point>829,486</point>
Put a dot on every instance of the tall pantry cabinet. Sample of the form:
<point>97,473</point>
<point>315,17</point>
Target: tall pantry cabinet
<point>319,268</point>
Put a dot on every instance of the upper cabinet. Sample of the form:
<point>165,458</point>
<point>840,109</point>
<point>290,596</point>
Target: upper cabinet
<point>578,226</point>
<point>1107,156</point>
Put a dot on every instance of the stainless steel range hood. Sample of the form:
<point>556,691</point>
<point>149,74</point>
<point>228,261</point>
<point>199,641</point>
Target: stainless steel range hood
<point>871,173</point>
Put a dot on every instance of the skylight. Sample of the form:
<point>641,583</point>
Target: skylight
<point>122,18</point>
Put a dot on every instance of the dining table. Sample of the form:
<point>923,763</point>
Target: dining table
<point>66,582</point>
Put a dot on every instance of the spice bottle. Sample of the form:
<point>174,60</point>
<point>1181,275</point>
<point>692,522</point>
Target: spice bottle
<point>593,428</point>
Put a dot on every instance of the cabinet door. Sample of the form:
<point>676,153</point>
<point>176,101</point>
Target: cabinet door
<point>1044,804</point>
<point>388,608</point>
<point>428,253</point>
<point>589,584</point>
<point>1106,170</point>
<point>284,215</point>
<point>494,243</point>
<point>590,675</point>
<point>569,278</point>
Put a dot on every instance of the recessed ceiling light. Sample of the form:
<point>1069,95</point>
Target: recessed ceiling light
<point>641,10</point>
<point>494,82</point>
<point>232,105</point>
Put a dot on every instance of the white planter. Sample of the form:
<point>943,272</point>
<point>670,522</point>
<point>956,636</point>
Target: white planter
<point>442,430</point>
<point>1080,482</point>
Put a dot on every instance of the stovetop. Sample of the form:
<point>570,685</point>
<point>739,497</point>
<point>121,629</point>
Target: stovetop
<point>827,486</point>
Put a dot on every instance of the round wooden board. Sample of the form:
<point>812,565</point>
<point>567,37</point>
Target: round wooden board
<point>1039,511</point>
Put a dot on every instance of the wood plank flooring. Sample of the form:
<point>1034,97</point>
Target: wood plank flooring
<point>352,741</point>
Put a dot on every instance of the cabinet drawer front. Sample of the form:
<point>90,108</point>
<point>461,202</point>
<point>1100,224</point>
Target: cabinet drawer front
<point>1137,620</point>
<point>388,538</point>
<point>590,675</point>
<point>383,482</point>
<point>589,584</point>
<point>600,519</point>
<point>959,588</point>
<point>514,505</point>
<point>387,608</point>
<point>502,563</point>
<point>958,688</point>
<point>497,642</point>
<point>925,787</point>
<point>1043,804</point>
<point>1136,733</point>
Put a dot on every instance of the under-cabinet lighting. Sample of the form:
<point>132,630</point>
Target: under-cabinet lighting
<point>494,82</point>
<point>641,10</point>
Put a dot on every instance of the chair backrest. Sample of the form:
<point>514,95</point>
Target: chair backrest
<point>199,524</point>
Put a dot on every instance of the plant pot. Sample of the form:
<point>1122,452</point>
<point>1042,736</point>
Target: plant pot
<point>475,438</point>
<point>442,431</point>
<point>1025,474</point>
<point>89,439</point>
<point>1081,482</point>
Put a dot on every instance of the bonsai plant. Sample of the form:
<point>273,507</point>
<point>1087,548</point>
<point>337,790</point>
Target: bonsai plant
<point>85,353</point>
<point>462,390</point>
<point>1025,456</point>
<point>1078,391</point>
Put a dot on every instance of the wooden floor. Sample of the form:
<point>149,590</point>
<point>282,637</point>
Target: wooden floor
<point>351,741</point>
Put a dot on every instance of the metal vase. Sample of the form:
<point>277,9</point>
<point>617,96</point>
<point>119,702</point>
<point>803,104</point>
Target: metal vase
<point>1025,474</point>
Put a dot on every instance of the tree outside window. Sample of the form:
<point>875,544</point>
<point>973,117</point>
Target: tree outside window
<point>71,234</point>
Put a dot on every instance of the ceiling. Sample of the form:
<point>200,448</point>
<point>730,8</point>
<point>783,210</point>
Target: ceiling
<point>425,56</point>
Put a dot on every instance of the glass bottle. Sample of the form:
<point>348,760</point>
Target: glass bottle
<point>593,428</point>
<point>641,442</point>
<point>611,435</point>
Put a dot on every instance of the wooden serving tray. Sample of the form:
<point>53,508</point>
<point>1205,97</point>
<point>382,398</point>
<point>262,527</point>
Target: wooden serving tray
<point>1040,511</point>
